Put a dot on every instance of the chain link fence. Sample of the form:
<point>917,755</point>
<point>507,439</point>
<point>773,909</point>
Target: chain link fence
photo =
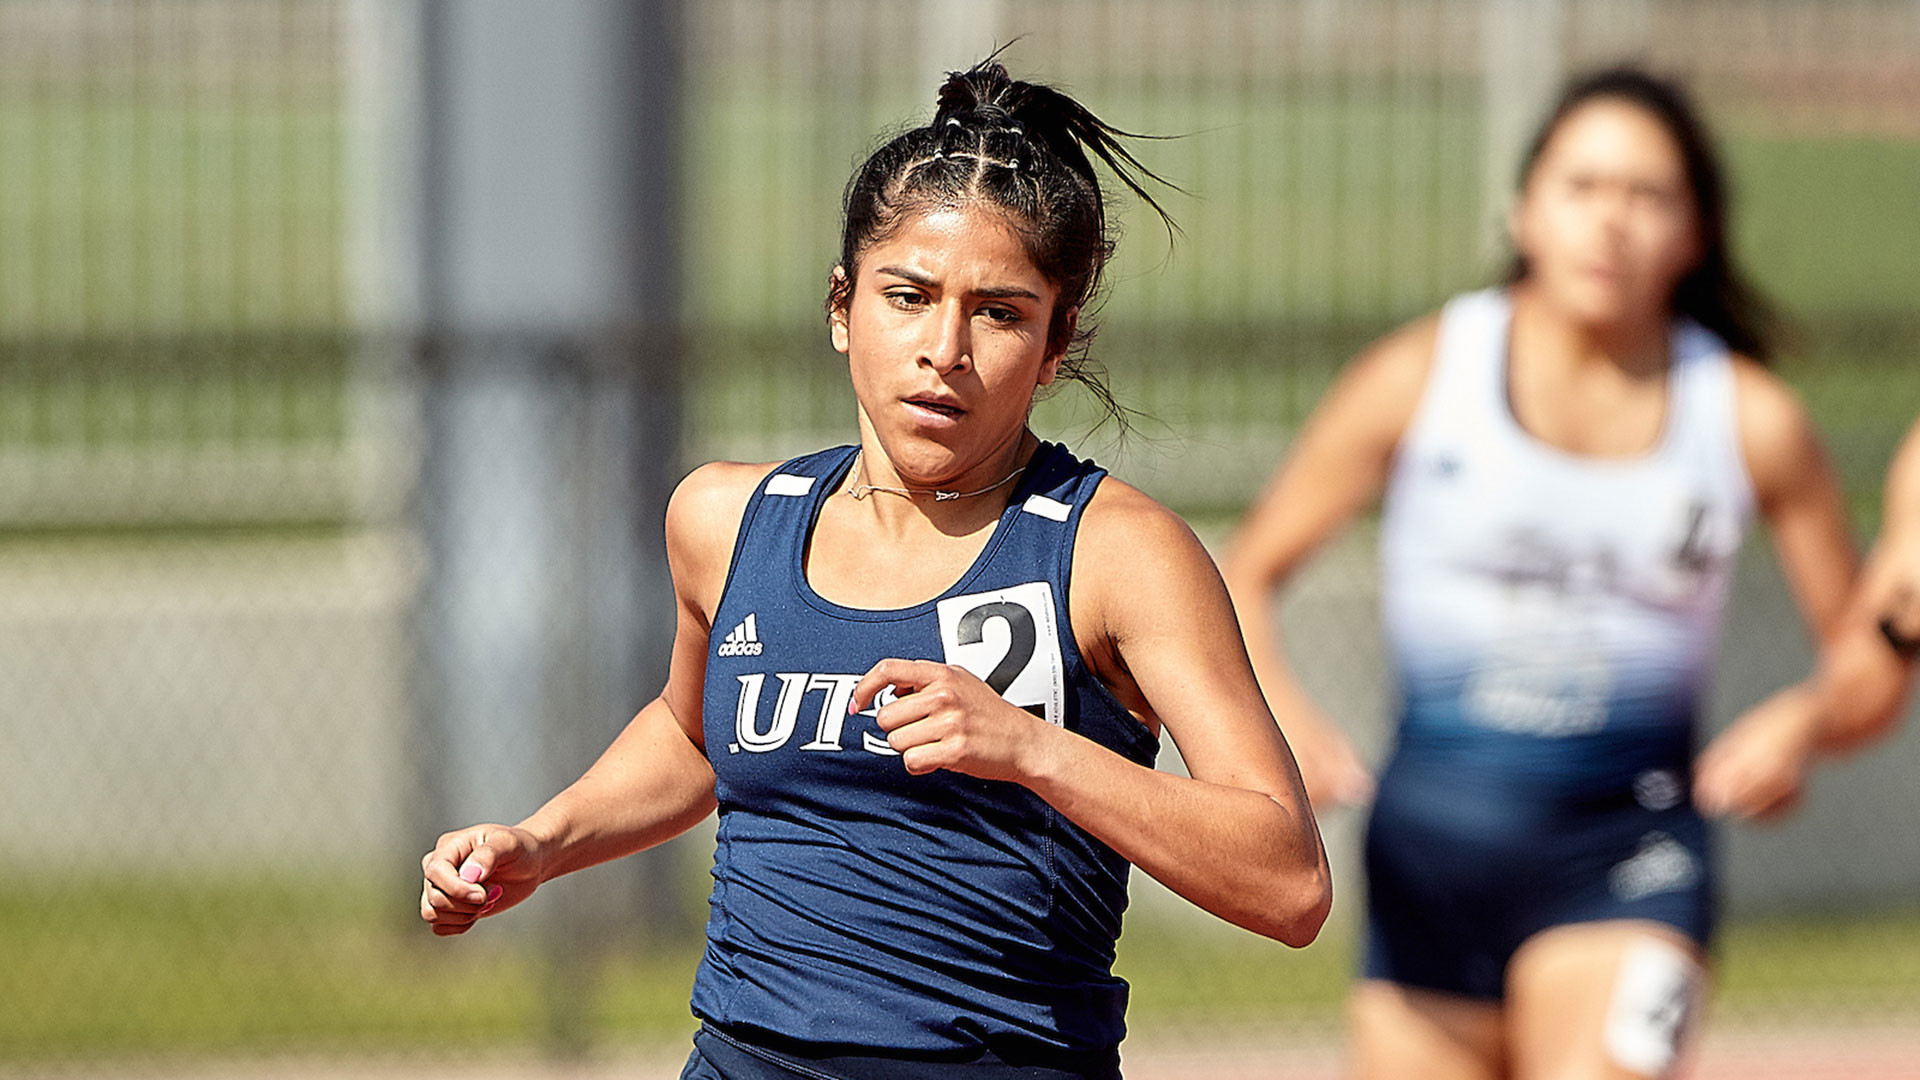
<point>253,657</point>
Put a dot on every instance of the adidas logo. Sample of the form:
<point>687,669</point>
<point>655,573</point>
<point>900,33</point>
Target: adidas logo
<point>743,640</point>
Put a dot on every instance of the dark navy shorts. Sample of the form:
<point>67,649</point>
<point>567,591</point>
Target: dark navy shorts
<point>721,1055</point>
<point>1461,874</point>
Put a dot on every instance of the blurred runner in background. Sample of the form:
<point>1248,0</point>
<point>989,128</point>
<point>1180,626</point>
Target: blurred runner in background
<point>1569,462</point>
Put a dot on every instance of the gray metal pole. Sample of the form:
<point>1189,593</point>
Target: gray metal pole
<point>551,257</point>
<point>380,261</point>
<point>1522,63</point>
<point>954,34</point>
<point>646,432</point>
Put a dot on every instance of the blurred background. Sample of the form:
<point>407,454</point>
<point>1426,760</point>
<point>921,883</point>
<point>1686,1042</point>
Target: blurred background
<point>349,348</point>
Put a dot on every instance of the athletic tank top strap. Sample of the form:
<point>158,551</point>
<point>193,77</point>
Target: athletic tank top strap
<point>1042,520</point>
<point>1044,513</point>
<point>788,499</point>
<point>1463,391</point>
<point>1705,414</point>
<point>1035,532</point>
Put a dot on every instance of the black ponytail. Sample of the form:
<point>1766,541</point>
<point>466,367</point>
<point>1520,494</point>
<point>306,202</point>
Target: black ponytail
<point>1068,129</point>
<point>1026,150</point>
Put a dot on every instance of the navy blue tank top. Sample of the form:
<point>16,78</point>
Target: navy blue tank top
<point>855,905</point>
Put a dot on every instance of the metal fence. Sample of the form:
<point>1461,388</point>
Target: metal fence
<point>218,506</point>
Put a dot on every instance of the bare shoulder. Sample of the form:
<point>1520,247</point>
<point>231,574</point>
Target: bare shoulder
<point>1404,356</point>
<point>1134,557</point>
<point>1348,442</point>
<point>1777,437</point>
<point>1897,548</point>
<point>1122,520</point>
<point>1767,405</point>
<point>1903,483</point>
<point>1394,369</point>
<point>708,503</point>
<point>1371,405</point>
<point>703,518</point>
<point>1148,604</point>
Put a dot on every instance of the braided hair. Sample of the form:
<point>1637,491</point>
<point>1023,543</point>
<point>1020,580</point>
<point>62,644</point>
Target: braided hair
<point>1026,150</point>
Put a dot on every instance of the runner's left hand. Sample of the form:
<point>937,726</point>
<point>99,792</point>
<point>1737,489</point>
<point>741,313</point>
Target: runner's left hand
<point>946,718</point>
<point>1758,766</point>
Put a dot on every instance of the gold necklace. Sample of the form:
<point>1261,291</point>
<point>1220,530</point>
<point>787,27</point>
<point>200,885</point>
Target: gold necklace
<point>861,491</point>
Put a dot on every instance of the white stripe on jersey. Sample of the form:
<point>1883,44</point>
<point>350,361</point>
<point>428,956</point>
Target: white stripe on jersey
<point>789,484</point>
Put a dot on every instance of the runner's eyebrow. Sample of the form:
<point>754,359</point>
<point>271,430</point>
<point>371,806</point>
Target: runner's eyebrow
<point>991,292</point>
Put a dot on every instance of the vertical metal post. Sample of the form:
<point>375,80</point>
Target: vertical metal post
<point>551,251</point>
<point>1523,58</point>
<point>381,266</point>
<point>643,433</point>
<point>956,33</point>
<point>1608,31</point>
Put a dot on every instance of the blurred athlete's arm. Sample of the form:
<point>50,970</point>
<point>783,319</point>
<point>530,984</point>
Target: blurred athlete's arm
<point>1868,671</point>
<point>1757,767</point>
<point>653,782</point>
<point>1798,495</point>
<point>1337,467</point>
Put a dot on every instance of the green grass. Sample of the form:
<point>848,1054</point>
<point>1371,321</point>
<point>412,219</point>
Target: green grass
<point>154,967</point>
<point>169,214</point>
<point>1829,225</point>
<point>286,394</point>
<point>1781,960</point>
<point>1189,973</point>
<point>1187,970</point>
<point>137,967</point>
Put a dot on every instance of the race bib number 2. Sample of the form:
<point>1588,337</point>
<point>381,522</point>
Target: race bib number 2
<point>1011,640</point>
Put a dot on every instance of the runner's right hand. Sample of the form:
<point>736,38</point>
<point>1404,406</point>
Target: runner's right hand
<point>476,872</point>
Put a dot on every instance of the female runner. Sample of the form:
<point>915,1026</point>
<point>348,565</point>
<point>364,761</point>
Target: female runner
<point>923,676</point>
<point>1568,465</point>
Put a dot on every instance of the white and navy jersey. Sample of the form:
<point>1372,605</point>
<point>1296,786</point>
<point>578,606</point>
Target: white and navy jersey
<point>855,905</point>
<point>1554,617</point>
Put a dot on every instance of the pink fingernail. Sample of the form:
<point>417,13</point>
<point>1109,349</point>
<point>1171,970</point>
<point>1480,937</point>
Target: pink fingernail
<point>470,872</point>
